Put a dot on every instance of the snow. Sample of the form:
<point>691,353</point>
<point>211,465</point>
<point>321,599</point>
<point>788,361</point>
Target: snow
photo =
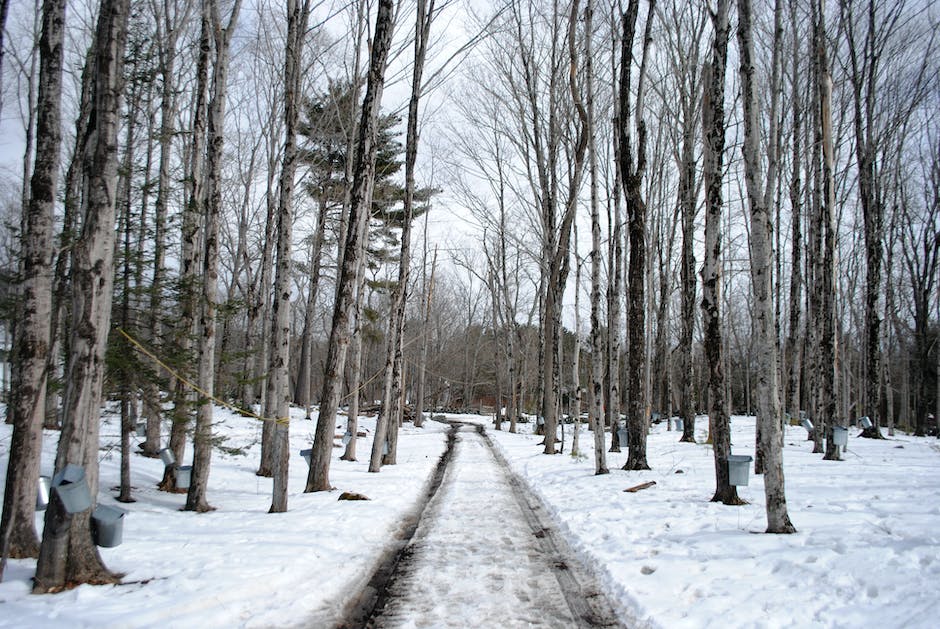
<point>497,560</point>
<point>866,554</point>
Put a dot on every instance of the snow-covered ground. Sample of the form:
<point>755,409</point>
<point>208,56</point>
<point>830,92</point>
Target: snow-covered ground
<point>867,553</point>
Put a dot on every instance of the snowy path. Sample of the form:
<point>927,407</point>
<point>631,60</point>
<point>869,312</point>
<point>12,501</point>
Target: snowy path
<point>482,556</point>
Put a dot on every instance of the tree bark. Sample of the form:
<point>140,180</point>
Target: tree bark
<point>196,499</point>
<point>318,478</point>
<point>769,414</point>
<point>713,129</point>
<point>18,537</point>
<point>792,353</point>
<point>427,291</point>
<point>280,356</point>
<point>4,11</point>
<point>188,278</point>
<point>632,169</point>
<point>68,556</point>
<point>828,356</point>
<point>168,29</point>
<point>392,384</point>
<point>596,398</point>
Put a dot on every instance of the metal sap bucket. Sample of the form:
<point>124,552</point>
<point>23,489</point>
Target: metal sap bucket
<point>141,429</point>
<point>307,455</point>
<point>807,424</point>
<point>184,474</point>
<point>346,439</point>
<point>679,424</point>
<point>739,465</point>
<point>865,422</point>
<point>72,488</point>
<point>840,436</point>
<point>168,457</point>
<point>624,437</point>
<point>107,525</point>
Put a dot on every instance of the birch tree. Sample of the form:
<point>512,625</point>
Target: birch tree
<point>297,14</point>
<point>713,130</point>
<point>596,398</point>
<point>768,414</point>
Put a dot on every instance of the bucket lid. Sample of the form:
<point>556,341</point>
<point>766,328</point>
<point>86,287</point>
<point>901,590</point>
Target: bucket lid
<point>71,474</point>
<point>740,458</point>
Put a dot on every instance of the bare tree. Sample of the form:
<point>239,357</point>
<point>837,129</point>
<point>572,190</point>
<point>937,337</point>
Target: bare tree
<point>713,129</point>
<point>318,478</point>
<point>769,414</point>
<point>792,351</point>
<point>27,392</point>
<point>596,398</point>
<point>387,425</point>
<point>170,19</point>
<point>191,228</point>
<point>685,30</point>
<point>632,168</point>
<point>68,556</point>
<point>297,14</point>
<point>827,357</point>
<point>196,499</point>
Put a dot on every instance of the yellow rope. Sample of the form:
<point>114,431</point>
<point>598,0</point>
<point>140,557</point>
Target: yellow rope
<point>196,388</point>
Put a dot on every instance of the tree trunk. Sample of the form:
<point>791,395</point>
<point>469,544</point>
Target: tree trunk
<point>596,398</point>
<point>427,291</point>
<point>826,282</point>
<point>305,362</point>
<point>872,210</point>
<point>558,250</point>
<point>318,478</point>
<point>792,351</point>
<point>168,28</point>
<point>4,11</point>
<point>68,556</point>
<point>713,129</point>
<point>197,500</point>
<point>58,347</point>
<point>632,169</point>
<point>125,375</point>
<point>27,392</point>
<point>575,396</point>
<point>280,333</point>
<point>768,414</point>
<point>189,280</point>
<point>387,420</point>
<point>688,200</point>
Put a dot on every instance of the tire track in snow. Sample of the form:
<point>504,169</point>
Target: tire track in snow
<point>482,553</point>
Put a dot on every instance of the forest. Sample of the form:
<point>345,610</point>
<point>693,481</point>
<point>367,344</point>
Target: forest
<point>617,213</point>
